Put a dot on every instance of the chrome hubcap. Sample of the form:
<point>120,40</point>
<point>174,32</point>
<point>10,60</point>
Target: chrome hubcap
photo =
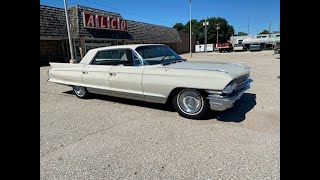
<point>190,102</point>
<point>80,91</point>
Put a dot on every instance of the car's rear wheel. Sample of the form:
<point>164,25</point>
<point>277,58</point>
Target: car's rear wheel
<point>191,103</point>
<point>81,92</point>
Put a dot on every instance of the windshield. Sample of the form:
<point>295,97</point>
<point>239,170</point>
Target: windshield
<point>158,54</point>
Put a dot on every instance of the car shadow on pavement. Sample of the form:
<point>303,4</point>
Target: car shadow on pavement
<point>235,114</point>
<point>128,101</point>
<point>238,112</point>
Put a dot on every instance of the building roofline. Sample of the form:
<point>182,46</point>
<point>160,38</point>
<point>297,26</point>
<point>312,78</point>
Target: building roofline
<point>150,24</point>
<point>81,6</point>
<point>77,6</point>
<point>52,7</point>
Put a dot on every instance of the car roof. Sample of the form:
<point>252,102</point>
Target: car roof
<point>130,46</point>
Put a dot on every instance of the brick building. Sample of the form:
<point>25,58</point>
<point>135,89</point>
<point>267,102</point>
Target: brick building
<point>54,44</point>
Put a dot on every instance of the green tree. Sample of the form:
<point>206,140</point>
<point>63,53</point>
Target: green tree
<point>242,34</point>
<point>264,32</point>
<point>197,28</point>
<point>224,32</point>
<point>179,27</point>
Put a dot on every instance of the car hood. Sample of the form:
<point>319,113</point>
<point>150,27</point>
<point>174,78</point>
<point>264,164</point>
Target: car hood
<point>233,69</point>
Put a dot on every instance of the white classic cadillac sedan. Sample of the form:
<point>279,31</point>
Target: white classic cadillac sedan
<point>155,73</point>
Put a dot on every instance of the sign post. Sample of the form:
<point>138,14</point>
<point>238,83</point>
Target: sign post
<point>72,60</point>
<point>205,24</point>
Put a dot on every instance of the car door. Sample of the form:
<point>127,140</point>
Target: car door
<point>96,74</point>
<point>125,77</point>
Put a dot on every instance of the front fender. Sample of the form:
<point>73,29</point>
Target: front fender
<point>158,83</point>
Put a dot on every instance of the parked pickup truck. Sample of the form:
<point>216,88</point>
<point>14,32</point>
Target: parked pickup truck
<point>155,73</point>
<point>224,47</point>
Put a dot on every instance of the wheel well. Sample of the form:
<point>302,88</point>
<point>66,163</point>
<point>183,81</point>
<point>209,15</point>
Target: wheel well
<point>178,89</point>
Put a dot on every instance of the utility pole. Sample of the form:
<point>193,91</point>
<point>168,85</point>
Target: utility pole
<point>205,24</point>
<point>217,35</point>
<point>248,24</point>
<point>72,60</point>
<point>270,29</point>
<point>190,30</point>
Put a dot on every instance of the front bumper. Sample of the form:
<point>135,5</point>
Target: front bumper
<point>220,103</point>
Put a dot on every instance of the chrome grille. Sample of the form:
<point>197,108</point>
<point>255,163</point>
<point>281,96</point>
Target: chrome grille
<point>241,81</point>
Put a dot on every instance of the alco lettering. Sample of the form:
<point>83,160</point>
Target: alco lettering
<point>104,22</point>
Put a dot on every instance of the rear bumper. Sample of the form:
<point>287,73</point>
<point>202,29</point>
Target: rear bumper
<point>221,103</point>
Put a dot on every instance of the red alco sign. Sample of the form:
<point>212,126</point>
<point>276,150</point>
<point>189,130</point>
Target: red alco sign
<point>113,23</point>
<point>89,20</point>
<point>104,22</point>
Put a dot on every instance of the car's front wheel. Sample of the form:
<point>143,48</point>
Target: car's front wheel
<point>81,92</point>
<point>191,103</point>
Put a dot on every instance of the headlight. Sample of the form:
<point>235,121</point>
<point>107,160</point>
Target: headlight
<point>229,88</point>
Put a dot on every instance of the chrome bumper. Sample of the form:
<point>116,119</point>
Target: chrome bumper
<point>221,103</point>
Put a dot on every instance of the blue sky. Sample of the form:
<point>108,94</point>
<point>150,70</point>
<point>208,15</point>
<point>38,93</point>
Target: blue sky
<point>167,12</point>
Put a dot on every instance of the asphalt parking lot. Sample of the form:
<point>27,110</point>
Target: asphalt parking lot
<point>113,138</point>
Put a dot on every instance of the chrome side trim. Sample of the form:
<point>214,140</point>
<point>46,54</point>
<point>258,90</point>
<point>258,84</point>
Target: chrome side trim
<point>154,99</point>
<point>127,95</point>
<point>99,91</point>
<point>218,70</point>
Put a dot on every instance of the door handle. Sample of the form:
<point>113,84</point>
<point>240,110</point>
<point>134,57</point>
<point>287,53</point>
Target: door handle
<point>112,74</point>
<point>84,72</point>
